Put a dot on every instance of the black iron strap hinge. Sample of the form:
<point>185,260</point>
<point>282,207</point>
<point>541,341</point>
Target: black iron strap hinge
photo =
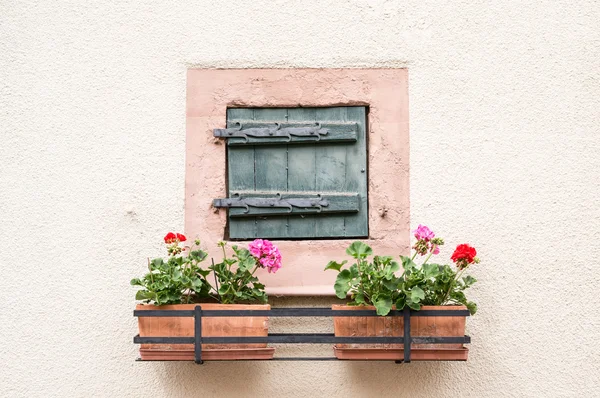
<point>265,204</point>
<point>252,132</point>
<point>276,202</point>
<point>274,131</point>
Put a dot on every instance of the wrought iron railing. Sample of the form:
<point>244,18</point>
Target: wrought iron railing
<point>298,338</point>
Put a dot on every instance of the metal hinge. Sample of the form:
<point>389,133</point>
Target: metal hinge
<point>274,131</point>
<point>277,202</point>
<point>263,204</point>
<point>252,132</point>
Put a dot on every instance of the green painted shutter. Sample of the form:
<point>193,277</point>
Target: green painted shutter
<point>331,170</point>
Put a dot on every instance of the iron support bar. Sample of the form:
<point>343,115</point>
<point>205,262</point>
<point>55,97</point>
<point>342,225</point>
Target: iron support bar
<point>407,339</point>
<point>314,338</point>
<point>293,312</point>
<point>198,335</point>
<point>317,338</point>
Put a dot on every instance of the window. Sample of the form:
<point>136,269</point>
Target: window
<point>215,94</point>
<point>296,172</point>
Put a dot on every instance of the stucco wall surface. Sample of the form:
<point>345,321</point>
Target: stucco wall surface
<point>504,119</point>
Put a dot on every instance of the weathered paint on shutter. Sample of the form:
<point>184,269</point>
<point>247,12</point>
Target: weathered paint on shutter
<point>301,168</point>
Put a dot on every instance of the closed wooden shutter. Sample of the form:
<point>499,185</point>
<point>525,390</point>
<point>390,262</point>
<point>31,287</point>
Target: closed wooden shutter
<point>305,185</point>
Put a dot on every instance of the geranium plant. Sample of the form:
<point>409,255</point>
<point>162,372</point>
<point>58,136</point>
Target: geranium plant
<point>234,276</point>
<point>369,282</point>
<point>180,278</point>
<point>376,283</point>
<point>431,283</point>
<point>449,284</point>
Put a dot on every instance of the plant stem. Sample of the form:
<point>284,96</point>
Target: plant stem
<point>216,282</point>
<point>452,285</point>
<point>427,259</point>
<point>150,269</point>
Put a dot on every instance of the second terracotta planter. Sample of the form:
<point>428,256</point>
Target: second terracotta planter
<point>421,326</point>
<point>211,327</point>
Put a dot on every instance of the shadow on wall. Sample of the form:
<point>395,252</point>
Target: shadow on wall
<point>298,379</point>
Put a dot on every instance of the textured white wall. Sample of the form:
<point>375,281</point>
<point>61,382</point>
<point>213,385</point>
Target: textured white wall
<point>504,154</point>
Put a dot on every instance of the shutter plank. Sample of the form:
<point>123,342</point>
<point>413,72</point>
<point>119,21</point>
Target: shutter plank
<point>301,175</point>
<point>271,175</point>
<point>356,225</point>
<point>330,173</point>
<point>240,162</point>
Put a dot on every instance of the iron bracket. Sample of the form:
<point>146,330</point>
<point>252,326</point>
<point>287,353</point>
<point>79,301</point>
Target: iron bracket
<point>277,202</point>
<point>275,131</point>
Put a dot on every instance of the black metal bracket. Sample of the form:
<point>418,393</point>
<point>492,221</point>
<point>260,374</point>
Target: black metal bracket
<point>276,130</point>
<point>296,338</point>
<point>251,132</point>
<point>276,202</point>
<point>198,335</point>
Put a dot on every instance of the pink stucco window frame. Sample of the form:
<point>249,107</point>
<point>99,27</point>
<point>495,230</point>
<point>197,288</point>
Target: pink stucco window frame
<point>385,91</point>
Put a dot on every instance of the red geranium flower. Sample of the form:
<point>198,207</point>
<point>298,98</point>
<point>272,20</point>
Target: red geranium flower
<point>464,255</point>
<point>181,237</point>
<point>170,237</point>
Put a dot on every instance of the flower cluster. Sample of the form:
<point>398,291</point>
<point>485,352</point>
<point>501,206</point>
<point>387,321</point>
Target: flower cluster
<point>266,253</point>
<point>464,255</point>
<point>172,240</point>
<point>426,241</point>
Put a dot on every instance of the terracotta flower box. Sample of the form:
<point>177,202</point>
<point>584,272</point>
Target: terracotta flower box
<point>393,326</point>
<point>211,327</point>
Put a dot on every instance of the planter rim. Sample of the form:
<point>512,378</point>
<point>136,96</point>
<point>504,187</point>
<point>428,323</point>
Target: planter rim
<point>140,306</point>
<point>371,307</point>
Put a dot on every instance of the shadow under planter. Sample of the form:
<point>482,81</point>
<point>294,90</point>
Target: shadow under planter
<point>421,328</point>
<point>253,326</point>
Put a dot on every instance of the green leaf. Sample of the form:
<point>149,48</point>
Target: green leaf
<point>144,295</point>
<point>224,289</point>
<point>383,305</point>
<point>157,264</point>
<point>335,265</point>
<point>472,307</point>
<point>430,270</point>
<point>416,294</point>
<point>197,284</point>
<point>198,255</point>
<point>401,302</point>
<point>136,282</point>
<point>359,299</point>
<point>468,281</point>
<point>407,263</point>
<point>342,283</point>
<point>414,306</point>
<point>246,261</point>
<point>359,250</point>
<point>394,266</point>
<point>391,284</point>
<point>203,272</point>
<point>354,272</point>
<point>177,275</point>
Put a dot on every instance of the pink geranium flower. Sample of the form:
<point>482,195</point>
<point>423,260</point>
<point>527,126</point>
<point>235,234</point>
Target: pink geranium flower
<point>423,233</point>
<point>267,255</point>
